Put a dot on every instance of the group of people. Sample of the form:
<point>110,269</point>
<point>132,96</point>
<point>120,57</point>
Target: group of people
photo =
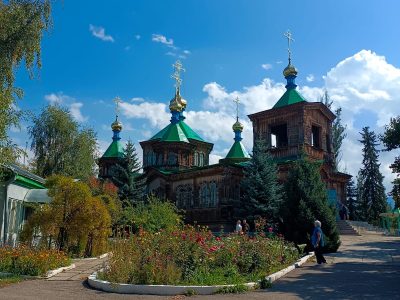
<point>242,227</point>
<point>317,238</point>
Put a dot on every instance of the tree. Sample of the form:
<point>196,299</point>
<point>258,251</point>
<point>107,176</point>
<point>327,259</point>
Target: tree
<point>338,129</point>
<point>372,198</point>
<point>22,24</point>
<point>338,135</point>
<point>351,195</point>
<point>75,220</point>
<point>306,200</point>
<point>126,177</point>
<point>391,140</point>
<point>395,193</point>
<point>60,146</point>
<point>262,193</point>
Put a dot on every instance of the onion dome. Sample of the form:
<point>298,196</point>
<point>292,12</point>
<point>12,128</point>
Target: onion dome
<point>290,70</point>
<point>116,125</point>
<point>177,103</point>
<point>237,126</point>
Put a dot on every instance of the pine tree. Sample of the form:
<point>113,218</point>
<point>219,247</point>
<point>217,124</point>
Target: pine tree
<point>351,194</point>
<point>126,177</point>
<point>395,193</point>
<point>372,198</point>
<point>262,193</point>
<point>306,201</point>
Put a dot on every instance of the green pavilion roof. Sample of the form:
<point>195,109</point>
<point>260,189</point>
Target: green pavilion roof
<point>291,96</point>
<point>237,151</point>
<point>178,132</point>
<point>115,149</point>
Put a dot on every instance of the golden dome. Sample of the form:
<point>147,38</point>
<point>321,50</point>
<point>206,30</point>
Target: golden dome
<point>237,126</point>
<point>177,103</point>
<point>290,70</point>
<point>116,125</point>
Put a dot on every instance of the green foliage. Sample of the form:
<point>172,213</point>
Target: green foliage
<point>235,289</point>
<point>126,176</point>
<point>306,201</point>
<point>395,193</point>
<point>22,24</point>
<point>60,146</point>
<point>351,195</point>
<point>262,193</point>
<point>265,284</point>
<point>190,293</point>
<point>156,215</point>
<point>188,255</point>
<point>338,135</point>
<point>371,192</point>
<point>74,221</point>
<point>9,279</point>
<point>24,260</point>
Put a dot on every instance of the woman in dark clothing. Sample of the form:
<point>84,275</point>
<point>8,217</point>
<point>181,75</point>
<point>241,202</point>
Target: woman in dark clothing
<point>317,240</point>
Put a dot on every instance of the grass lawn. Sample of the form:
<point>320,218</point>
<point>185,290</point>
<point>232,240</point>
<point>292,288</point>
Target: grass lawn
<point>7,280</point>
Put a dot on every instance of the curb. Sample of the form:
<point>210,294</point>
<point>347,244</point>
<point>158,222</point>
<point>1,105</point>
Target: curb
<point>168,290</point>
<point>49,274</point>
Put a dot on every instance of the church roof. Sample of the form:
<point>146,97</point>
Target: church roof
<point>116,149</point>
<point>237,151</point>
<point>291,96</point>
<point>177,132</point>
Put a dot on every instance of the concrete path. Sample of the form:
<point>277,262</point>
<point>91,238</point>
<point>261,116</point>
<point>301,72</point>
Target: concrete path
<point>366,267</point>
<point>84,267</point>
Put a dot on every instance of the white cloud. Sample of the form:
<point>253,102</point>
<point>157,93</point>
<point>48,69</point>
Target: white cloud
<point>71,103</point>
<point>310,78</point>
<point>155,113</point>
<point>99,32</point>
<point>279,62</point>
<point>137,37</point>
<point>159,38</point>
<point>187,52</point>
<point>137,99</point>
<point>266,66</point>
<point>170,53</point>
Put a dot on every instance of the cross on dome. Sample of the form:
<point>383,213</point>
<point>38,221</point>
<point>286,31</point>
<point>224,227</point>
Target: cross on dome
<point>288,35</point>
<point>178,68</point>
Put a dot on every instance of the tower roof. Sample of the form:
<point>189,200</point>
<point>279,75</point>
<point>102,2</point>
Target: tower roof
<point>116,149</point>
<point>237,151</point>
<point>177,132</point>
<point>291,96</point>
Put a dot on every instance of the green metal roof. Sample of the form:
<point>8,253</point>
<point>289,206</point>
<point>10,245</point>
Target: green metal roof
<point>291,96</point>
<point>237,151</point>
<point>27,182</point>
<point>179,132</point>
<point>114,150</point>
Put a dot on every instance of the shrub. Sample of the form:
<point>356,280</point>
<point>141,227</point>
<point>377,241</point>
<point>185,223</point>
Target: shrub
<point>23,260</point>
<point>194,256</point>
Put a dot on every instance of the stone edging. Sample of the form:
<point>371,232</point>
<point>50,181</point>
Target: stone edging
<point>124,288</point>
<point>49,274</point>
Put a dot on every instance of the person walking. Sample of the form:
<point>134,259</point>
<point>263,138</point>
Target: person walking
<point>317,240</point>
<point>245,227</point>
<point>238,228</point>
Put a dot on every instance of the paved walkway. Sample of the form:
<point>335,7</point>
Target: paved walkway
<point>366,267</point>
<point>84,267</point>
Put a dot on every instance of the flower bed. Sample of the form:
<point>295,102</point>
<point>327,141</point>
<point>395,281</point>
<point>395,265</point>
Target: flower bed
<point>194,256</point>
<point>29,261</point>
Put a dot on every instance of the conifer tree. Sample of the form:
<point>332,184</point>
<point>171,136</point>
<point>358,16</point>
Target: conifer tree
<point>306,200</point>
<point>262,193</point>
<point>372,198</point>
<point>395,193</point>
<point>351,194</point>
<point>126,177</point>
<point>338,135</point>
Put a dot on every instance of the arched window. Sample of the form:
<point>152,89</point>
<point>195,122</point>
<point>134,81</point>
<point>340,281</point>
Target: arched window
<point>160,159</point>
<point>180,196</point>
<point>213,194</point>
<point>201,159</point>
<point>172,158</point>
<point>196,158</point>
<point>184,196</point>
<point>204,195</point>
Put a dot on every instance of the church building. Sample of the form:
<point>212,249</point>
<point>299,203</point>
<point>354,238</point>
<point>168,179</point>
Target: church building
<point>176,159</point>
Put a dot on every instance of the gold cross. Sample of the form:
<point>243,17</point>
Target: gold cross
<point>177,73</point>
<point>288,35</point>
<point>237,101</point>
<point>117,100</point>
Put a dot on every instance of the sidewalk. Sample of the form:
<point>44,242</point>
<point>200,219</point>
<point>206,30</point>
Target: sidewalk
<point>366,267</point>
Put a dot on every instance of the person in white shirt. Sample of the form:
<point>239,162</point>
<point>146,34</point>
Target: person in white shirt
<point>238,227</point>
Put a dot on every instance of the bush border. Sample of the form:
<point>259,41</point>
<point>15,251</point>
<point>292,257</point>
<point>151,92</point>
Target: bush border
<point>168,290</point>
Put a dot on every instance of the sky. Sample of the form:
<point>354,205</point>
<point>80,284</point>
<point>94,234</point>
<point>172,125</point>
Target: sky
<point>98,50</point>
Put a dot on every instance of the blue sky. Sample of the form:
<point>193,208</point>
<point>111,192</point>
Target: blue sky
<point>101,49</point>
